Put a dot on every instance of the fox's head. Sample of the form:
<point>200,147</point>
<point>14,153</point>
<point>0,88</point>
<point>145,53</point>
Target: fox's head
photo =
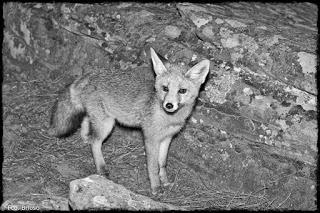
<point>176,86</point>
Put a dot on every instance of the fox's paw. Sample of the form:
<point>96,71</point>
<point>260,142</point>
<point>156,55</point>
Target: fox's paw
<point>168,185</point>
<point>157,191</point>
<point>103,171</point>
<point>51,132</point>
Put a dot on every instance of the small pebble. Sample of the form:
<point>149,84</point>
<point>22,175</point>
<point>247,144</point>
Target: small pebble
<point>172,31</point>
<point>237,69</point>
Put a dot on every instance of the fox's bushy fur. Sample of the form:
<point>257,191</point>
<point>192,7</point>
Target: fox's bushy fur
<point>158,105</point>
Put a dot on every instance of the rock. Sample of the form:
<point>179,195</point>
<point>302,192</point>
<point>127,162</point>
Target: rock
<point>172,31</point>
<point>235,23</point>
<point>308,62</point>
<point>189,10</point>
<point>97,192</point>
<point>208,31</point>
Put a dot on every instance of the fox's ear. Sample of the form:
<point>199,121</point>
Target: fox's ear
<point>158,66</point>
<point>199,71</point>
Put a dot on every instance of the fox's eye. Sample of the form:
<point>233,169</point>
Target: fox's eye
<point>165,88</point>
<point>182,91</point>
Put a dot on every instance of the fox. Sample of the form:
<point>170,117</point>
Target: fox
<point>157,99</point>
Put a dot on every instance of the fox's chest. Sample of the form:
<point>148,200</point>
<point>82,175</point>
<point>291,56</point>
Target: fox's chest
<point>167,125</point>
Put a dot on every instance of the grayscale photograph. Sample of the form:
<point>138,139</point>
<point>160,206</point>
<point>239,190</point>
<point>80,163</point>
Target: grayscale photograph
<point>159,106</point>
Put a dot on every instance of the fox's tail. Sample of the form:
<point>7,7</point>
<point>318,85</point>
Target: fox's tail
<point>67,114</point>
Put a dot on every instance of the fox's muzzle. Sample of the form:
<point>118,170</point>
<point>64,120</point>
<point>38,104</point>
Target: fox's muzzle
<point>170,107</point>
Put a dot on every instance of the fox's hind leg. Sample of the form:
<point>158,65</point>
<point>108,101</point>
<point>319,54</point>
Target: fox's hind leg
<point>99,129</point>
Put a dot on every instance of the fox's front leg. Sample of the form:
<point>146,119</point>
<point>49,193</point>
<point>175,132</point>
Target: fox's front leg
<point>162,160</point>
<point>152,150</point>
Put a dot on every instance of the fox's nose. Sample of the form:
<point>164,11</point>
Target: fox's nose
<point>169,105</point>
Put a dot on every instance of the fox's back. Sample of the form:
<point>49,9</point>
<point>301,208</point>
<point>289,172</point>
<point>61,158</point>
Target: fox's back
<point>126,95</point>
